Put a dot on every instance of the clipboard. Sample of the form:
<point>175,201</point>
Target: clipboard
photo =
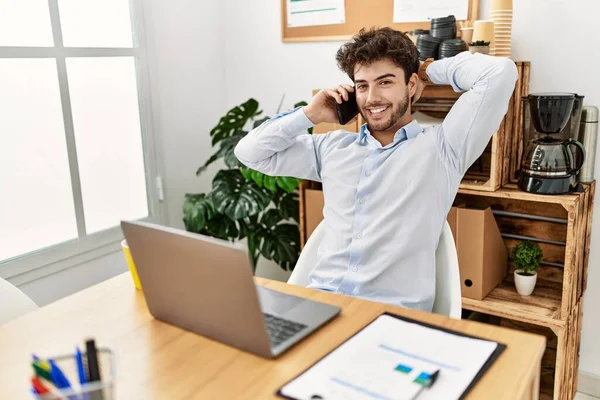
<point>499,348</point>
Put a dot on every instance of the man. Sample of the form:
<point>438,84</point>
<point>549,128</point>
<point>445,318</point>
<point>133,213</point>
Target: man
<point>389,188</point>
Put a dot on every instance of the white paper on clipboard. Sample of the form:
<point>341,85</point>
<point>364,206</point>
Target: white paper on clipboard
<point>382,360</point>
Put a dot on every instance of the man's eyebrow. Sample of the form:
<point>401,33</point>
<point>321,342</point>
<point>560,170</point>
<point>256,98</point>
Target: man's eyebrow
<point>377,79</point>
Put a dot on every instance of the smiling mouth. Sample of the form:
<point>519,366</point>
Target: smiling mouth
<point>377,110</point>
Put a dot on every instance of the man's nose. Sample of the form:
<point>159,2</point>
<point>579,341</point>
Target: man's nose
<point>373,96</point>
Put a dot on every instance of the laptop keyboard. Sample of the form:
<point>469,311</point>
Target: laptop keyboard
<point>281,329</point>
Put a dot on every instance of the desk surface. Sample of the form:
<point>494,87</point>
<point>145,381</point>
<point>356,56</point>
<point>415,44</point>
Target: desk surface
<point>159,361</point>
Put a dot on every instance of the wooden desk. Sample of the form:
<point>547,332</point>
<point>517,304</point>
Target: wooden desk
<point>159,361</point>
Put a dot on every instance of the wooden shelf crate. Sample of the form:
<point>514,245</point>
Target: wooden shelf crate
<point>561,225</point>
<point>493,169</point>
<point>561,358</point>
<point>513,159</point>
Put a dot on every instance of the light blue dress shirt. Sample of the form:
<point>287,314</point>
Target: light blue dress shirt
<point>385,206</point>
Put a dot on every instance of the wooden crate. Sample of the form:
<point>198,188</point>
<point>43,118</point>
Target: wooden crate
<point>513,160</point>
<point>560,225</point>
<point>492,170</point>
<point>560,361</point>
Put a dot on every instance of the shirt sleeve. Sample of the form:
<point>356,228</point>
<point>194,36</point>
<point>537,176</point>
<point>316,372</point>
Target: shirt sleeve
<point>489,83</point>
<point>282,147</point>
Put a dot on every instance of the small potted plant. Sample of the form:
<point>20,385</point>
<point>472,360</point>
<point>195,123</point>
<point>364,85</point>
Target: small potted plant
<point>479,47</point>
<point>526,256</point>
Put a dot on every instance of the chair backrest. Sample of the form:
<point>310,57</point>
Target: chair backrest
<point>308,257</point>
<point>448,299</point>
<point>13,302</point>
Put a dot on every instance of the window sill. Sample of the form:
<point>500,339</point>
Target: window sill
<point>65,255</point>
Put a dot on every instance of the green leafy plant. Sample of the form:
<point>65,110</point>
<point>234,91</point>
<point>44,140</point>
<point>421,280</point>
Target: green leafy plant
<point>526,256</point>
<point>245,203</point>
<point>479,43</point>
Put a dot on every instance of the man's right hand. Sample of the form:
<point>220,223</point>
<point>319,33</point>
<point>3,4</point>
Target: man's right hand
<point>322,106</point>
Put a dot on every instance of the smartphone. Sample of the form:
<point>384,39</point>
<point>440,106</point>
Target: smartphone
<point>348,109</point>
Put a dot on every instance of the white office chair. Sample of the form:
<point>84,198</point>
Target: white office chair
<point>13,302</point>
<point>448,300</point>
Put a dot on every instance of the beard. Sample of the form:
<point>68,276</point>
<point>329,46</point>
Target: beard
<point>398,111</point>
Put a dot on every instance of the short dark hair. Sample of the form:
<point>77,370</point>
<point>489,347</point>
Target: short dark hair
<point>377,44</point>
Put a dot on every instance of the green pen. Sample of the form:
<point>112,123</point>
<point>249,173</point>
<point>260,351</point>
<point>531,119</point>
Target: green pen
<point>41,368</point>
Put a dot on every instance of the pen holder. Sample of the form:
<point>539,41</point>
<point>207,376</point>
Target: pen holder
<point>100,390</point>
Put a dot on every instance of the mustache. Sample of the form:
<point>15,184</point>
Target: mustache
<point>376,105</point>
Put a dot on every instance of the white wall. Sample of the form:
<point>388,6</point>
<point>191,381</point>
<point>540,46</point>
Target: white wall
<point>185,56</point>
<point>258,64</point>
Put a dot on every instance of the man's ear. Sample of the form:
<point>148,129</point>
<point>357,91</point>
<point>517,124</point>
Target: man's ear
<point>412,85</point>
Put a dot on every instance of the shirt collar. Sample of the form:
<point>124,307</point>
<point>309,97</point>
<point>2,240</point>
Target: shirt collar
<point>408,131</point>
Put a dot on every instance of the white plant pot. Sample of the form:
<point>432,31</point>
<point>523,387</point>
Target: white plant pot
<point>525,283</point>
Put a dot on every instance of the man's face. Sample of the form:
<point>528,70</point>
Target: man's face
<point>381,94</point>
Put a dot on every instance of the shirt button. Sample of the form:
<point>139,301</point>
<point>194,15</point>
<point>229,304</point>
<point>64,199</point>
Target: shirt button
<point>368,173</point>
<point>354,269</point>
<point>358,235</point>
<point>362,201</point>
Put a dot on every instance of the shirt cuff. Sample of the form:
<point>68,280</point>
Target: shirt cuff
<point>297,121</point>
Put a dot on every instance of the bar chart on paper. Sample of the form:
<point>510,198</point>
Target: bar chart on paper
<point>393,359</point>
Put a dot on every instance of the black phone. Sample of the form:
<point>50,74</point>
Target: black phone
<point>348,109</point>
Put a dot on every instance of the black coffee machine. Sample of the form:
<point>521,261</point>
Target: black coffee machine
<point>553,155</point>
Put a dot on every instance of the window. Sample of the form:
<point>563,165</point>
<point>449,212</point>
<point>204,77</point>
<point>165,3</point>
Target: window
<point>75,152</point>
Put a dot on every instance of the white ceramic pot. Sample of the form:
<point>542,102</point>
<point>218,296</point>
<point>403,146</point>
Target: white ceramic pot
<point>525,283</point>
<point>479,49</point>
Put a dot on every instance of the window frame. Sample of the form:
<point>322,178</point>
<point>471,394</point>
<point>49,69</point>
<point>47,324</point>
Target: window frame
<point>42,262</point>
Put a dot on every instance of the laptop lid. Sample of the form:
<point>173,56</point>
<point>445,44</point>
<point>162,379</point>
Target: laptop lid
<point>199,283</point>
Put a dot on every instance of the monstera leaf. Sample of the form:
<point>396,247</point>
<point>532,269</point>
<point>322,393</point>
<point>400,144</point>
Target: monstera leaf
<point>227,146</point>
<point>237,198</point>
<point>244,203</point>
<point>288,205</point>
<point>234,120</point>
<point>271,183</point>
<point>279,242</point>
<point>198,209</point>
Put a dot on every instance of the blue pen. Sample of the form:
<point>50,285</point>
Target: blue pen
<point>81,371</point>
<point>59,379</point>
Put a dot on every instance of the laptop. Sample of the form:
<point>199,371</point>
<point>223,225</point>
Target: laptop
<point>205,285</point>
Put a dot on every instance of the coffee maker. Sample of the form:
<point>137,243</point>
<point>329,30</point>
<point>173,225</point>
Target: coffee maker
<point>553,155</point>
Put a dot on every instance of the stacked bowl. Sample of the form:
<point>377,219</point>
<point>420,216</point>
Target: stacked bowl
<point>444,28</point>
<point>428,46</point>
